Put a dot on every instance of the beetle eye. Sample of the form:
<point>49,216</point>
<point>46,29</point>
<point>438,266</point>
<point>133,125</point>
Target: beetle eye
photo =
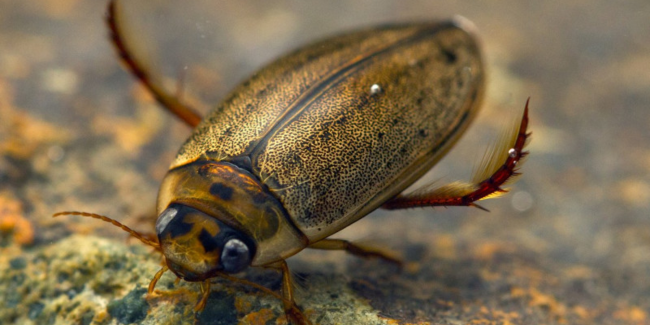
<point>235,256</point>
<point>164,219</point>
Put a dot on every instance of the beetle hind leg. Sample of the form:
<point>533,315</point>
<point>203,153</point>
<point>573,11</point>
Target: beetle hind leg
<point>357,250</point>
<point>488,179</point>
<point>293,313</point>
<point>127,52</point>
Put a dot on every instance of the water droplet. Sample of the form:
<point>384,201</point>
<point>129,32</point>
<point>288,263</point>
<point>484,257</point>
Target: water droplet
<point>55,153</point>
<point>522,201</point>
<point>375,89</point>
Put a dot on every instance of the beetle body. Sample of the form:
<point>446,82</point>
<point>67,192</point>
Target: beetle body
<point>312,143</point>
<point>331,131</point>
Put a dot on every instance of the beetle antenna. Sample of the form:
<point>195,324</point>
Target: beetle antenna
<point>112,221</point>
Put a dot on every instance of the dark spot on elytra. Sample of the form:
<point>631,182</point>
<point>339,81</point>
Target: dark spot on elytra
<point>424,133</point>
<point>380,135</point>
<point>208,242</point>
<point>450,56</point>
<point>222,191</point>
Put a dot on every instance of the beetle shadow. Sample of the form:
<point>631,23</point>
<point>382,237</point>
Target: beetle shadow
<point>425,289</point>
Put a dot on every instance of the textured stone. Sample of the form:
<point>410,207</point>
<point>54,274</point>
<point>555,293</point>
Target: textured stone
<point>569,245</point>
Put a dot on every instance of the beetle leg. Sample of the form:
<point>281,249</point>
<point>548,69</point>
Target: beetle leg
<point>159,274</point>
<point>487,181</point>
<point>125,49</point>
<point>355,249</point>
<point>291,310</point>
<point>205,291</point>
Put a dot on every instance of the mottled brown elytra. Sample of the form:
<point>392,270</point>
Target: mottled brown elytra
<point>312,143</point>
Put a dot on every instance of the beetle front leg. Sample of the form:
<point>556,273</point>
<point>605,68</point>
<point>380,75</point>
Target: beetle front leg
<point>291,310</point>
<point>487,181</point>
<point>355,249</point>
<point>139,69</point>
<point>205,293</point>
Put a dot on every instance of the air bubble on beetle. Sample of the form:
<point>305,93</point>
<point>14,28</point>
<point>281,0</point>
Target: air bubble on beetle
<point>512,153</point>
<point>375,89</point>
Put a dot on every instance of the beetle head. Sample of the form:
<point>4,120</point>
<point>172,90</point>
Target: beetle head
<point>197,246</point>
<point>217,217</point>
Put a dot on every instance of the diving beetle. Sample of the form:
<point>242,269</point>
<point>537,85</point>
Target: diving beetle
<point>314,142</point>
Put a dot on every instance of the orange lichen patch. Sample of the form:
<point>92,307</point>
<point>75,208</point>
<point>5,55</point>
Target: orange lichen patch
<point>581,312</point>
<point>13,222</point>
<point>21,135</point>
<point>632,314</point>
<point>261,317</point>
<point>539,299</point>
<point>633,191</point>
<point>445,247</point>
<point>579,271</point>
<point>129,133</point>
<point>489,322</point>
<point>14,66</point>
<point>535,276</point>
<point>487,250</point>
<point>243,305</point>
<point>391,321</point>
<point>488,275</point>
<point>494,317</point>
<point>60,9</point>
<point>542,300</point>
<point>101,316</point>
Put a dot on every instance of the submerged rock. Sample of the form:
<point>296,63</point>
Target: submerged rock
<point>90,280</point>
